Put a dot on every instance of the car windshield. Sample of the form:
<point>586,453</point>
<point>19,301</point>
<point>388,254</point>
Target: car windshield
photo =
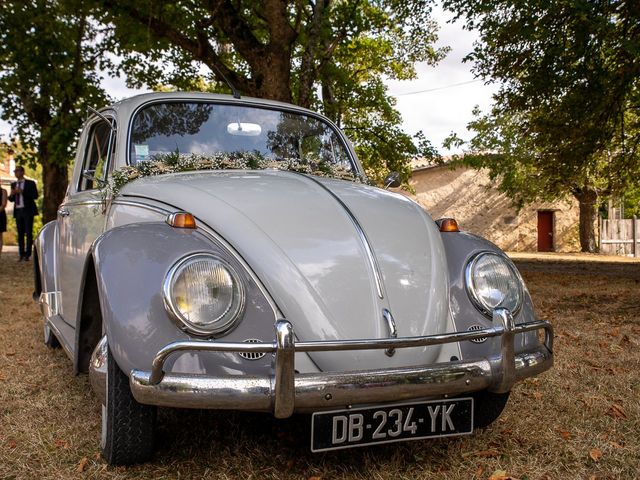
<point>228,135</point>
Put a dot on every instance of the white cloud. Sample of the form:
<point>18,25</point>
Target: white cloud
<point>441,111</point>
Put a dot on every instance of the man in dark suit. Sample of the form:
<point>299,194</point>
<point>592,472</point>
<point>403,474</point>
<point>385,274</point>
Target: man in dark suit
<point>23,195</point>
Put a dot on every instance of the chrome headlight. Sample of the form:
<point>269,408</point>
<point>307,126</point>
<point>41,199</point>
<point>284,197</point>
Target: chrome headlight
<point>204,293</point>
<point>493,282</point>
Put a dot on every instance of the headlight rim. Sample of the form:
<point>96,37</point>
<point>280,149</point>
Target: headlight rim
<point>470,287</point>
<point>173,311</point>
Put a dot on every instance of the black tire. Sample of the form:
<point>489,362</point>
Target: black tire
<point>50,340</point>
<point>128,427</point>
<point>487,407</point>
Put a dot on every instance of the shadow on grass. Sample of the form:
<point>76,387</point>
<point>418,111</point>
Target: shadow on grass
<point>200,434</point>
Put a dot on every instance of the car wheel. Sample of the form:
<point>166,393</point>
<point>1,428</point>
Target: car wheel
<point>50,340</point>
<point>128,427</point>
<point>487,407</point>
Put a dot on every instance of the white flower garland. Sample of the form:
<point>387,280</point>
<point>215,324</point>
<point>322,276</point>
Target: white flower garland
<point>179,162</point>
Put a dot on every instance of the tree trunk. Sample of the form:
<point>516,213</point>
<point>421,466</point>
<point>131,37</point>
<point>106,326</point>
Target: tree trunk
<point>54,184</point>
<point>588,201</point>
<point>273,77</point>
<point>307,67</point>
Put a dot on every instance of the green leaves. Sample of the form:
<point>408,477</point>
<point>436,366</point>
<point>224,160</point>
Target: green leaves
<point>565,119</point>
<point>327,55</point>
<point>50,53</point>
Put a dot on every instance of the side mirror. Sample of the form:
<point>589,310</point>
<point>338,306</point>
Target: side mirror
<point>392,180</point>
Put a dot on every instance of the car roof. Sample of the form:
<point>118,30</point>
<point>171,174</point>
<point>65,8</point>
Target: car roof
<point>129,105</point>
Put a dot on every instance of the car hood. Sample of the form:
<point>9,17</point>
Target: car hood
<point>300,235</point>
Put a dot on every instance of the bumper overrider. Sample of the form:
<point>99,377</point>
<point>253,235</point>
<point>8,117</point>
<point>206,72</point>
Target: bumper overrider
<point>285,391</point>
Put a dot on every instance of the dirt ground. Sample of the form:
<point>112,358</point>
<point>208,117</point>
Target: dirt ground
<point>578,264</point>
<point>580,420</point>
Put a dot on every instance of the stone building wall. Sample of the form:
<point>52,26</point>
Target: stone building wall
<point>473,200</point>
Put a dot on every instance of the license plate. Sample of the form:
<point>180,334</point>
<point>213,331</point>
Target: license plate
<point>358,427</point>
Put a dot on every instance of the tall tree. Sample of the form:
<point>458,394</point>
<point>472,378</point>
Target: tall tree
<point>325,54</point>
<point>566,116</point>
<point>49,54</point>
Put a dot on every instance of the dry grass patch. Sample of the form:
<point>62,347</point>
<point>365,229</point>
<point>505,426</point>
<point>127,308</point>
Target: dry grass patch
<point>580,420</point>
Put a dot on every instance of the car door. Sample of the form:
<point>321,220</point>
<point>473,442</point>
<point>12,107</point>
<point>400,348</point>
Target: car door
<point>81,217</point>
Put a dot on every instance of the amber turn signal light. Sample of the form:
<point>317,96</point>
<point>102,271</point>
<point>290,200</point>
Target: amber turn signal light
<point>448,225</point>
<point>181,220</point>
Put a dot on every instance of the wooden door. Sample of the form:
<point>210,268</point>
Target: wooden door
<point>545,231</point>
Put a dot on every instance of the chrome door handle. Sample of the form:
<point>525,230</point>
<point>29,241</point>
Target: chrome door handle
<point>63,212</point>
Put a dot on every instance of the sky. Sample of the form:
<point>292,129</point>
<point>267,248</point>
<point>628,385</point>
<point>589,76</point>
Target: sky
<point>453,91</point>
<point>446,106</point>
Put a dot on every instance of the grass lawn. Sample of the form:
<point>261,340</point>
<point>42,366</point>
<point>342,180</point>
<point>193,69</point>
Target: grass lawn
<point>580,420</point>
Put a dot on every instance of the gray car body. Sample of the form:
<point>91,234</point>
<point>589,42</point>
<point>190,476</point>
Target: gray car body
<point>124,249</point>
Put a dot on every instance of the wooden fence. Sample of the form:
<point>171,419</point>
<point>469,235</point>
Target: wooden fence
<point>620,237</point>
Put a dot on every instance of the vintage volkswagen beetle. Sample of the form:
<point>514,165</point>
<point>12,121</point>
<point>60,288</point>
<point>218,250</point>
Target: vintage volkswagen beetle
<point>226,253</point>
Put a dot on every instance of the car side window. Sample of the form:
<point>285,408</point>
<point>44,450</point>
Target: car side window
<point>96,162</point>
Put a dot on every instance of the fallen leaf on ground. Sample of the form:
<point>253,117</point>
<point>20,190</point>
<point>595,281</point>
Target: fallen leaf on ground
<point>595,454</point>
<point>492,452</point>
<point>501,475</point>
<point>479,471</point>
<point>570,335</point>
<point>564,434</point>
<point>616,411</point>
<point>614,332</point>
<point>61,444</point>
<point>625,341</point>
<point>82,465</point>
<point>12,443</point>
<point>10,353</point>
<point>315,478</point>
<point>616,445</point>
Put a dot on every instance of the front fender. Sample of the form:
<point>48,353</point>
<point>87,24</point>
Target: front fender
<point>131,263</point>
<point>460,248</point>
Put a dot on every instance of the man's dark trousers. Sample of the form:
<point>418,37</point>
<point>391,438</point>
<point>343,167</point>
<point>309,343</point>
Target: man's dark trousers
<point>24,222</point>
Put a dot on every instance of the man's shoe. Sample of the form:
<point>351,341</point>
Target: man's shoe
<point>26,259</point>
<point>20,259</point>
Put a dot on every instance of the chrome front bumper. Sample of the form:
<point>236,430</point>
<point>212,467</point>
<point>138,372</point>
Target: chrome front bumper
<point>286,392</point>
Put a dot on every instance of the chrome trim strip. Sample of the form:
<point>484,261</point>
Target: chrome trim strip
<point>373,262</point>
<point>132,203</point>
<point>393,331</point>
<point>81,203</point>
